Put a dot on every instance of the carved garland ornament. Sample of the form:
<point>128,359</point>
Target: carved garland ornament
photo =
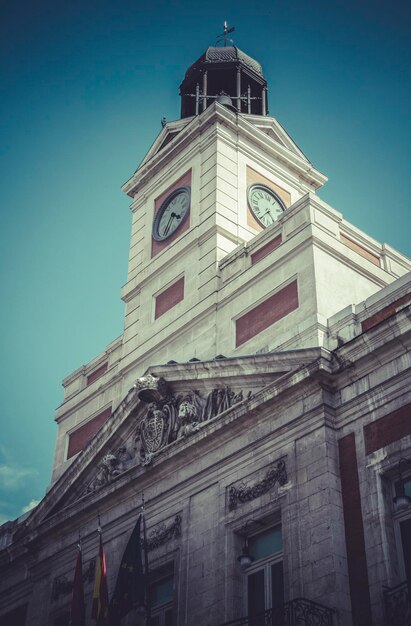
<point>244,493</point>
<point>163,533</point>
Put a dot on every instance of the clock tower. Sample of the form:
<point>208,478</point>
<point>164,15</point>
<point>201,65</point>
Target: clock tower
<point>232,252</point>
<point>212,182</point>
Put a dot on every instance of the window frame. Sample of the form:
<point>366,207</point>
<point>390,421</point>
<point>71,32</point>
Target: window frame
<point>263,564</point>
<point>164,572</point>
<point>399,517</point>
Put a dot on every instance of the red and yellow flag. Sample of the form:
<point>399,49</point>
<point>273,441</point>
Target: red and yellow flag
<point>99,611</point>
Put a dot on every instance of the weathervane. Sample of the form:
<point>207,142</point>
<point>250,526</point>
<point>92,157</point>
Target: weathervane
<point>223,36</point>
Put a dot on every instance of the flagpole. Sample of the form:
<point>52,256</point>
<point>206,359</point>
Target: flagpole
<point>147,590</point>
<point>100,604</point>
<point>77,609</point>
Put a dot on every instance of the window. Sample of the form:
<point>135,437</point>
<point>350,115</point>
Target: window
<point>396,597</point>
<point>404,534</point>
<point>161,591</point>
<point>264,577</point>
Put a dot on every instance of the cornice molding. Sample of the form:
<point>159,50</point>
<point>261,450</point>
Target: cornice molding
<point>217,114</point>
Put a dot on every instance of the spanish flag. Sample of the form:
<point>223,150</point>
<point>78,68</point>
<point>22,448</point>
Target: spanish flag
<point>77,612</point>
<point>99,611</point>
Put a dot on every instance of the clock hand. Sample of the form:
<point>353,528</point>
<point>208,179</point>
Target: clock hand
<point>265,214</point>
<point>165,231</point>
<point>167,228</point>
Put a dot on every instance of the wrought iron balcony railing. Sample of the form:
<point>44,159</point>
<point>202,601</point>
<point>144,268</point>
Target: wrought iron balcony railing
<point>297,612</point>
<point>397,605</point>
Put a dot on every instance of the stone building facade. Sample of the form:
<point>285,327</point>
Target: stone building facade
<point>259,395</point>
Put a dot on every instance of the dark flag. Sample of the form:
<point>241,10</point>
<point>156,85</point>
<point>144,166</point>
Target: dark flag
<point>147,576</point>
<point>77,612</point>
<point>99,609</point>
<point>129,592</point>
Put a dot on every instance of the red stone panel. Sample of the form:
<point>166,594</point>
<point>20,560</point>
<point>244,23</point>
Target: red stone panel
<point>265,250</point>
<point>382,315</point>
<point>169,297</point>
<point>97,373</point>
<point>387,429</point>
<point>80,437</point>
<point>360,250</point>
<point>158,246</point>
<point>354,533</point>
<point>267,313</point>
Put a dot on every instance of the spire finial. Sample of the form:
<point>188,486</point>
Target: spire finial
<point>223,36</point>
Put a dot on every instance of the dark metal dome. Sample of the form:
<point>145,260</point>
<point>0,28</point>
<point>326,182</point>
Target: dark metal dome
<point>228,71</point>
<point>226,54</point>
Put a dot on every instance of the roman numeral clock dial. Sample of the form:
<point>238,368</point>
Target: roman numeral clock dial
<point>264,204</point>
<point>171,213</point>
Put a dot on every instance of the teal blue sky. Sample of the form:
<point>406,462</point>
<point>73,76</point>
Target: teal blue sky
<point>84,86</point>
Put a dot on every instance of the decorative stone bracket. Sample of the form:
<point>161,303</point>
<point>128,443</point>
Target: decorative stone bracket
<point>238,494</point>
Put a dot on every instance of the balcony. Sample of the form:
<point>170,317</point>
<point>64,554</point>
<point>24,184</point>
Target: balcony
<point>297,612</point>
<point>397,605</point>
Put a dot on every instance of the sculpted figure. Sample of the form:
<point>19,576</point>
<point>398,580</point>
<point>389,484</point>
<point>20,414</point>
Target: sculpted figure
<point>107,470</point>
<point>210,409</point>
<point>111,465</point>
<point>123,458</point>
<point>187,413</point>
<point>223,400</point>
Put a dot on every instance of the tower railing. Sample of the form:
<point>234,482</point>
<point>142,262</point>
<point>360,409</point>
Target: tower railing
<point>297,612</point>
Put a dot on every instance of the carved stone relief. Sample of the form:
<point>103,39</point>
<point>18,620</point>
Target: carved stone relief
<point>162,533</point>
<point>111,465</point>
<point>243,492</point>
<point>170,417</point>
<point>166,419</point>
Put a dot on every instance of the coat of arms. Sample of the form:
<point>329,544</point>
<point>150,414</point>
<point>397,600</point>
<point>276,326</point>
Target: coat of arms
<point>153,428</point>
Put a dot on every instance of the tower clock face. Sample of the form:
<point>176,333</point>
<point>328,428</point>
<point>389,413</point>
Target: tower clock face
<point>171,213</point>
<point>264,204</point>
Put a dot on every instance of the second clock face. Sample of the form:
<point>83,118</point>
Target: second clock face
<point>264,204</point>
<point>171,213</point>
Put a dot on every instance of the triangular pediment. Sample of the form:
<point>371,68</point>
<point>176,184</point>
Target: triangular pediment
<point>271,127</point>
<point>169,132</point>
<point>170,407</point>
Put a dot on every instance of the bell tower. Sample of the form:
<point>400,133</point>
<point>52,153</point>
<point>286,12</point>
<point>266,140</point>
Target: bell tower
<point>227,75</point>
